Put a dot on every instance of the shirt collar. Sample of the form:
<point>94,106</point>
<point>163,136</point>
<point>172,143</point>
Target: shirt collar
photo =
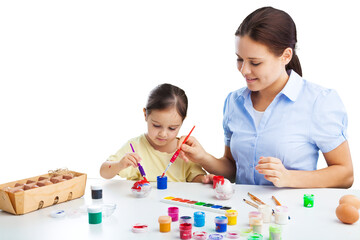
<point>293,86</point>
<point>291,90</point>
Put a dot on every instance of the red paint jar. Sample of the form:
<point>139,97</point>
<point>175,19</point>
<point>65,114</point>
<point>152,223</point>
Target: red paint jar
<point>217,179</point>
<point>185,231</point>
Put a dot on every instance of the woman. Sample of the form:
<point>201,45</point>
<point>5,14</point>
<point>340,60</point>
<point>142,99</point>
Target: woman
<point>275,127</point>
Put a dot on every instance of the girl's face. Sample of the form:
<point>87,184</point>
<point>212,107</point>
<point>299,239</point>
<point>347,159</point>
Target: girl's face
<point>261,69</point>
<point>163,127</point>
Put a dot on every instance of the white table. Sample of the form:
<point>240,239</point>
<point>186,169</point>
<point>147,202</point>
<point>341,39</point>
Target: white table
<point>319,222</point>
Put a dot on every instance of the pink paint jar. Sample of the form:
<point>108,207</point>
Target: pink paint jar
<point>185,231</point>
<point>173,212</point>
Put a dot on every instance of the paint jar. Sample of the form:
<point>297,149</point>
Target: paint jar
<point>221,223</point>
<point>215,236</point>
<point>255,236</point>
<point>253,214</point>
<point>257,224</point>
<point>275,232</point>
<point>185,230</point>
<point>232,216</point>
<point>161,182</point>
<point>200,235</point>
<point>96,192</point>
<point>308,200</point>
<point>199,219</point>
<point>185,219</point>
<point>173,212</point>
<point>266,213</point>
<point>281,215</point>
<point>217,179</point>
<point>95,214</point>
<point>165,223</point>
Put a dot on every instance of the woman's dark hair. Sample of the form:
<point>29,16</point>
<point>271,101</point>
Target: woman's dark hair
<point>273,28</point>
<point>165,96</point>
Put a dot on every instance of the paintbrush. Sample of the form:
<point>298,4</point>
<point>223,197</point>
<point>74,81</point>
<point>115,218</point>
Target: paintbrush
<point>276,201</point>
<point>255,199</point>
<point>141,169</point>
<point>250,203</point>
<point>176,154</point>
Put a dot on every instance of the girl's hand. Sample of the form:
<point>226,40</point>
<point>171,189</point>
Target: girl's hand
<point>208,178</point>
<point>191,150</point>
<point>130,159</point>
<point>274,171</point>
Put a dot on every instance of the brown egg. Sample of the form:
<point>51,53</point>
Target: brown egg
<point>347,213</point>
<point>350,199</point>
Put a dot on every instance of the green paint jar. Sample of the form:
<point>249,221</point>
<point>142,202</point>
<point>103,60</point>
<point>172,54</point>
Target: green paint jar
<point>95,214</point>
<point>275,232</point>
<point>308,200</point>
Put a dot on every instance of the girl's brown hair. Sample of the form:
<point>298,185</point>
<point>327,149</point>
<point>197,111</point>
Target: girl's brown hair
<point>165,96</point>
<point>273,28</point>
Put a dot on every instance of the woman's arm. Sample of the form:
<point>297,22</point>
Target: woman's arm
<point>193,151</point>
<point>338,174</point>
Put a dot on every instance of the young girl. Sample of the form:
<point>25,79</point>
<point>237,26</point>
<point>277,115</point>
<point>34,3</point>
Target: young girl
<point>164,113</point>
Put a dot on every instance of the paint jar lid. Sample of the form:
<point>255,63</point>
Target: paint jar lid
<point>185,226</point>
<point>200,235</point>
<point>165,219</point>
<point>281,209</point>
<point>221,219</point>
<point>58,214</point>
<point>275,228</point>
<point>140,228</point>
<point>231,213</point>
<point>96,187</point>
<point>233,234</point>
<point>215,236</point>
<point>94,209</point>
<point>173,210</point>
<point>255,236</point>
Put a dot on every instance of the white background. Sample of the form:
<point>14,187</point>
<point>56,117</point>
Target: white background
<point>75,75</point>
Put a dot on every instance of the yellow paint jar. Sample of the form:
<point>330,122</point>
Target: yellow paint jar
<point>232,216</point>
<point>165,223</point>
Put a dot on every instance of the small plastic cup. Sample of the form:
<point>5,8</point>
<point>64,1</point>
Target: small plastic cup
<point>96,192</point>
<point>275,232</point>
<point>221,224</point>
<point>199,219</point>
<point>266,212</point>
<point>161,182</point>
<point>185,230</point>
<point>308,200</point>
<point>281,215</point>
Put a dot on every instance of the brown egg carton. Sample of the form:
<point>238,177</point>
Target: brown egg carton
<point>30,194</point>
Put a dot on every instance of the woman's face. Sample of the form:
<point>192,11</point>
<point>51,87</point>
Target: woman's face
<point>261,68</point>
<point>163,127</point>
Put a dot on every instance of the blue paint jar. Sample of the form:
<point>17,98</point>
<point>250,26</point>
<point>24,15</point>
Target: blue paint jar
<point>221,223</point>
<point>161,182</point>
<point>199,219</point>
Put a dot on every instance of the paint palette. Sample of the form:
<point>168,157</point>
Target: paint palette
<point>203,206</point>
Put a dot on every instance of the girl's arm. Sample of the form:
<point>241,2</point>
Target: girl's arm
<point>193,151</point>
<point>338,174</point>
<point>110,169</point>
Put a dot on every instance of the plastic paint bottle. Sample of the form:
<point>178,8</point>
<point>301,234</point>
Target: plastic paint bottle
<point>165,223</point>
<point>95,214</point>
<point>173,212</point>
<point>266,213</point>
<point>185,219</point>
<point>257,224</point>
<point>96,192</point>
<point>221,223</point>
<point>253,214</point>
<point>199,219</point>
<point>281,215</point>
<point>232,216</point>
<point>275,232</point>
<point>185,230</point>
<point>161,182</point>
<point>308,200</point>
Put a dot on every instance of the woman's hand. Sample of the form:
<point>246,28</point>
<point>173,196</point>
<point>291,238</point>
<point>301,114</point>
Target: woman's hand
<point>274,171</point>
<point>191,150</point>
